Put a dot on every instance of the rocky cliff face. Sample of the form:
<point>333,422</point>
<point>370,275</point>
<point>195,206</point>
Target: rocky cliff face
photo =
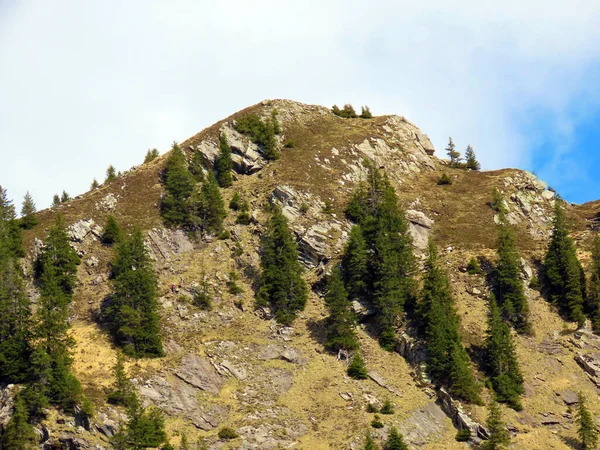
<point>276,385</point>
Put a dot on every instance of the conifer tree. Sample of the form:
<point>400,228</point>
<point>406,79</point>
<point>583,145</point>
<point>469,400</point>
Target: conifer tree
<point>370,442</point>
<point>223,163</point>
<point>366,113</point>
<point>111,234</point>
<point>180,187</point>
<point>593,301</point>
<point>7,209</point>
<point>452,153</point>
<point>151,155</point>
<point>145,428</point>
<point>123,392</point>
<point>111,174</point>
<point>447,359</point>
<point>501,359</point>
<point>65,197</point>
<point>470,159</point>
<point>196,166</point>
<point>281,283</point>
<point>499,437</point>
<point>18,434</point>
<point>586,426</point>
<point>508,283</point>
<point>395,441</point>
<point>55,200</point>
<point>211,206</point>
<point>133,310</point>
<point>28,217</point>
<point>357,369</point>
<point>562,270</point>
<point>354,264</point>
<point>342,320</point>
<point>95,185</point>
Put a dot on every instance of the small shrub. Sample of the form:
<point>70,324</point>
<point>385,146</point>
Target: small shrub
<point>232,286</point>
<point>347,113</point>
<point>202,297</point>
<point>304,208</point>
<point>243,218</point>
<point>463,435</point>
<point>236,201</point>
<point>357,369</point>
<point>387,408</point>
<point>376,422</point>
<point>151,155</point>
<point>224,235</point>
<point>473,268</point>
<point>444,180</point>
<point>366,113</point>
<point>227,433</point>
<point>535,284</point>
<point>497,203</point>
<point>387,340</point>
<point>371,408</point>
<point>289,144</point>
<point>328,207</point>
<point>237,250</point>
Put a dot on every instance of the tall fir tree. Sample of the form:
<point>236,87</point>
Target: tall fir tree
<point>354,264</point>
<point>111,174</point>
<point>281,283</point>
<point>64,197</point>
<point>563,271</point>
<point>370,442</point>
<point>7,209</point>
<point>447,360</point>
<point>180,187</point>
<point>341,334</point>
<point>18,434</point>
<point>123,392</point>
<point>395,441</point>
<point>133,308</point>
<point>196,166</point>
<point>586,425</point>
<point>452,153</point>
<point>111,234</point>
<point>95,185</point>
<point>593,300</point>
<point>499,437</point>
<point>145,428</point>
<point>223,163</point>
<point>28,210</point>
<point>509,289</point>
<point>471,160</point>
<point>55,200</point>
<point>501,359</point>
<point>211,207</point>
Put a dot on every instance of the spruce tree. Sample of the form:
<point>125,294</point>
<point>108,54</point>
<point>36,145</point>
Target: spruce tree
<point>357,369</point>
<point>223,163</point>
<point>28,217</point>
<point>211,206</point>
<point>370,442</point>
<point>7,209</point>
<point>366,113</point>
<point>123,392</point>
<point>111,234</point>
<point>144,428</point>
<point>501,359</point>
<point>342,320</point>
<point>281,283</point>
<point>586,426</point>
<point>452,153</point>
<point>55,200</point>
<point>151,155</point>
<point>508,283</point>
<point>593,301</point>
<point>18,434</point>
<point>133,310</point>
<point>180,187</point>
<point>499,437</point>
<point>196,166</point>
<point>354,264</point>
<point>562,270</point>
<point>447,360</point>
<point>395,441</point>
<point>111,174</point>
<point>95,185</point>
<point>65,197</point>
<point>470,159</point>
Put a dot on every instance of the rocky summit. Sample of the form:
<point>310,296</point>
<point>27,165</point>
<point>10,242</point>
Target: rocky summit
<point>272,385</point>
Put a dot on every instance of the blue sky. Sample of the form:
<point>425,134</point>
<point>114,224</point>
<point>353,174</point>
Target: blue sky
<point>88,84</point>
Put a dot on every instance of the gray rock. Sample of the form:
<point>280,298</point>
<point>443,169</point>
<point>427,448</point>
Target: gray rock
<point>424,425</point>
<point>548,195</point>
<point>292,355</point>
<point>7,396</point>
<point>238,372</point>
<point>78,231</point>
<point>92,262</point>
<point>269,352</point>
<point>461,419</point>
<point>426,143</point>
<point>570,398</point>
<point>108,203</point>
<point>526,269</point>
<point>199,373</point>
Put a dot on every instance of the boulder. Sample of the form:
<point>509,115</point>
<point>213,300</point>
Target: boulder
<point>80,230</point>
<point>7,396</point>
<point>570,397</point>
<point>108,203</point>
<point>199,373</point>
<point>426,143</point>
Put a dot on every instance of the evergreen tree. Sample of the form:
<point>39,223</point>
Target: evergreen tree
<point>28,217</point>
<point>196,167</point>
<point>357,369</point>
<point>65,197</point>
<point>395,441</point>
<point>470,159</point>
<point>180,188</point>
<point>211,210</point>
<point>366,113</point>
<point>55,200</point>
<point>18,434</point>
<point>502,362</point>
<point>95,185</point>
<point>123,392</point>
<point>111,174</point>
<point>184,442</point>
<point>370,442</point>
<point>452,153</point>
<point>7,210</point>
<point>281,283</point>
<point>593,301</point>
<point>133,310</point>
<point>354,264</point>
<point>499,437</point>
<point>223,163</point>
<point>342,320</point>
<point>508,283</point>
<point>586,426</point>
<point>111,234</point>
<point>145,428</point>
<point>151,155</point>
<point>562,270</point>
<point>447,359</point>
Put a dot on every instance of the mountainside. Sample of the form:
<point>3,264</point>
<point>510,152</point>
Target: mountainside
<point>277,385</point>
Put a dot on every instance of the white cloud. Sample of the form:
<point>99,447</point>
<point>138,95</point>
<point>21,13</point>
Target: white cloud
<point>86,84</point>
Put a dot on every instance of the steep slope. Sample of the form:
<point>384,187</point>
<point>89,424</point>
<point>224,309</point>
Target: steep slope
<point>276,385</point>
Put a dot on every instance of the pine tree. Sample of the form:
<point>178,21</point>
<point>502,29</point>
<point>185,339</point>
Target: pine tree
<point>593,301</point>
<point>111,234</point>
<point>501,359</point>
<point>470,159</point>
<point>357,369</point>
<point>65,197</point>
<point>28,217</point>
<point>281,283</point>
<point>123,392</point>
<point>196,166</point>
<point>95,185</point>
<point>180,188</point>
<point>151,155</point>
<point>354,264</point>
<point>211,210</point>
<point>184,442</point>
<point>18,434</point>
<point>145,428</point>
<point>223,163</point>
<point>55,200</point>
<point>366,113</point>
<point>586,426</point>
<point>499,437</point>
<point>342,320</point>
<point>7,210</point>
<point>508,283</point>
<point>452,153</point>
<point>562,270</point>
<point>395,441</point>
<point>447,360</point>
<point>370,442</point>
<point>133,310</point>
<point>111,174</point>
